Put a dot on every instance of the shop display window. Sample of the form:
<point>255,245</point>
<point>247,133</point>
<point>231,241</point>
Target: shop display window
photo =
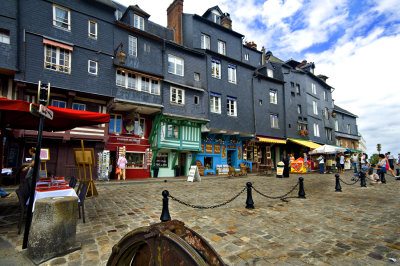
<point>135,160</point>
<point>208,163</point>
<point>139,127</point>
<point>162,159</point>
<point>250,153</point>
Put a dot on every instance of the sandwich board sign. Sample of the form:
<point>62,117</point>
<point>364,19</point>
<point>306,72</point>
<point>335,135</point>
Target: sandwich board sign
<point>193,174</point>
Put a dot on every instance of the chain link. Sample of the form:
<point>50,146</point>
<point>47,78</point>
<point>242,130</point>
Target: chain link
<point>207,207</point>
<point>357,179</point>
<point>277,197</point>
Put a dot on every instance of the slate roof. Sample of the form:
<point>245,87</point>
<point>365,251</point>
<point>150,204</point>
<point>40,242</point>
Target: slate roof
<point>343,111</point>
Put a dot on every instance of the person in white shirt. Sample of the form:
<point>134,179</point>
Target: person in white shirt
<point>354,159</point>
<point>342,163</point>
<point>321,164</point>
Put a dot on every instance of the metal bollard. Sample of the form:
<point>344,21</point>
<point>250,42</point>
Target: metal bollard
<point>249,201</point>
<point>302,193</point>
<point>165,211</point>
<point>362,180</point>
<point>338,188</point>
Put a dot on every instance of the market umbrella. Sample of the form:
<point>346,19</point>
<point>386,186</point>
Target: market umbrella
<point>328,149</point>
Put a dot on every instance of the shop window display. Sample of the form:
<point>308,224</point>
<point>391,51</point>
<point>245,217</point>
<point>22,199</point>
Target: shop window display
<point>208,163</point>
<point>135,160</point>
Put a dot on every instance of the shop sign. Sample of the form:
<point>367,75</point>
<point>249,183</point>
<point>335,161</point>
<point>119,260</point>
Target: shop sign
<point>162,160</point>
<point>209,148</point>
<point>232,147</point>
<point>202,148</point>
<point>124,140</point>
<point>217,149</point>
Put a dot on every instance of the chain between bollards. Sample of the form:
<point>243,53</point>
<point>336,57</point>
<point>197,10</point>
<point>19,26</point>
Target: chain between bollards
<point>338,188</point>
<point>165,211</point>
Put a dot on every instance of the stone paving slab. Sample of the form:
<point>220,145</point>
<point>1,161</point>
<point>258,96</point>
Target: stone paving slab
<point>358,226</point>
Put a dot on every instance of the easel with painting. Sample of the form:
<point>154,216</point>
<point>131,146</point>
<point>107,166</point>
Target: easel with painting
<point>84,159</point>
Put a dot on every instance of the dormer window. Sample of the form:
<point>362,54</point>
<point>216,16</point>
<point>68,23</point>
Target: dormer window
<point>270,73</point>
<point>138,22</point>
<point>216,17</point>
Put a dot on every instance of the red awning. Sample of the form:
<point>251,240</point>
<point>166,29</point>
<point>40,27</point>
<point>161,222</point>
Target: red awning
<point>16,115</point>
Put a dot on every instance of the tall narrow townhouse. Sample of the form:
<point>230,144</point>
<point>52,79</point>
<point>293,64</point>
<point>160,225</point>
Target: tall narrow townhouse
<point>309,106</point>
<point>269,116</point>
<point>228,80</point>
<point>346,131</point>
<point>136,89</point>
<point>65,44</point>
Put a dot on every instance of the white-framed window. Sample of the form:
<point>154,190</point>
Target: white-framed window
<point>336,125</point>
<point>132,81</point>
<point>246,56</point>
<point>215,68</point>
<point>137,82</point>
<point>57,59</point>
<point>196,76</point>
<point>216,17</point>
<point>328,133</point>
<point>232,73</point>
<point>132,46</point>
<point>273,96</point>
<point>316,130</point>
<point>173,131</point>
<point>61,17</point>
<point>315,107</point>
<point>231,106</point>
<point>270,73</point>
<point>338,142</point>
<point>326,113</point>
<point>92,67</point>
<point>222,47</point>
<point>92,29</point>
<point>205,41</point>
<point>79,106</point>
<point>348,129</point>
<point>215,103</point>
<point>274,120</point>
<point>325,96</point>
<point>175,65</point>
<point>299,109</point>
<point>58,103</point>
<point>4,36</point>
<point>115,125</point>
<point>139,127</point>
<point>177,96</point>
<point>313,88</point>
<point>138,22</point>
<point>297,88</point>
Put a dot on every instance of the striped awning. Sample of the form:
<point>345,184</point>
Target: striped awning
<point>306,143</point>
<point>271,140</point>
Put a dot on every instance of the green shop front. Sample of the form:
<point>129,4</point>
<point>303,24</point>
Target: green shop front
<point>175,142</point>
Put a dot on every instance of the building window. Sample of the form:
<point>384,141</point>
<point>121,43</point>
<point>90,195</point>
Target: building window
<point>196,100</point>
<point>196,76</point>
<point>57,103</point>
<point>273,96</point>
<point>120,79</point>
<point>246,56</point>
<point>313,88</point>
<point>222,47</point>
<point>303,127</point>
<point>132,49</point>
<point>92,29</point>
<point>231,106</point>
<point>175,65</point>
<point>215,103</point>
<point>4,36</point>
<point>146,47</point>
<point>145,84</point>
<point>134,160</point>
<point>298,89</point>
<point>138,22</point>
<point>260,102</point>
<point>205,41</point>
<point>336,125</point>
<point>79,106</point>
<point>270,73</point>
<point>326,113</point>
<point>216,17</point>
<point>155,87</point>
<point>348,129</point>
<point>173,131</point>
<point>316,130</point>
<point>139,126</point>
<point>61,17</point>
<point>292,84</point>
<point>92,67</point>
<point>177,96</point>
<point>299,109</point>
<point>132,81</point>
<point>57,59</point>
<point>136,82</point>
<point>315,107</point>
<point>325,98</point>
<point>215,68</point>
<point>115,124</point>
<point>274,120</point>
<point>328,133</point>
<point>232,73</point>
<point>338,142</point>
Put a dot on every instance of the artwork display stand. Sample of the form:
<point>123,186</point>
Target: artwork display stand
<point>84,159</point>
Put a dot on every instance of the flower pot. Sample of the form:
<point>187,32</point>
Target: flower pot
<point>176,172</point>
<point>155,173</point>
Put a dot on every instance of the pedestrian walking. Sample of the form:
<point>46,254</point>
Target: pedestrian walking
<point>342,163</point>
<point>321,160</point>
<point>354,160</point>
<point>390,159</point>
<point>286,169</point>
<point>381,167</point>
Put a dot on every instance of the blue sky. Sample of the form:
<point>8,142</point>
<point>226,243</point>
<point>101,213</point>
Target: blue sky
<point>355,43</point>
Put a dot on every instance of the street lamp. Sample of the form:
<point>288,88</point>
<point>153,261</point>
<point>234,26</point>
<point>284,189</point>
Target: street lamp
<point>121,56</point>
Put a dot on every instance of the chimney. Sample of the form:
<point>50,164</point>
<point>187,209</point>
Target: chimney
<point>226,21</point>
<point>174,17</point>
<point>323,77</point>
<point>263,59</point>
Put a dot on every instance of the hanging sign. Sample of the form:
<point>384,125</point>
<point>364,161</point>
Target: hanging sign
<point>217,149</point>
<point>209,148</point>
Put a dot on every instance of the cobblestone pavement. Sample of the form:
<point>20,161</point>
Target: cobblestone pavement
<point>358,226</point>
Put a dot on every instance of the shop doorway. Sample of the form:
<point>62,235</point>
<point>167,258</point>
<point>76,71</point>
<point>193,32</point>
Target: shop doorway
<point>231,158</point>
<point>113,155</point>
<point>182,163</point>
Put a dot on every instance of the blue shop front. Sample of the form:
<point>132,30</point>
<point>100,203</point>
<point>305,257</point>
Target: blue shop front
<point>219,150</point>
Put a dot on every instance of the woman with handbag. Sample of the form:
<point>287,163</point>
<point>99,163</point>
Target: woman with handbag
<point>121,163</point>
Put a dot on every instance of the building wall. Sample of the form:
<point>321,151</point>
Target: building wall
<point>8,21</point>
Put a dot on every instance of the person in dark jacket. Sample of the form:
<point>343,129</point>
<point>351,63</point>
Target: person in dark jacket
<point>286,169</point>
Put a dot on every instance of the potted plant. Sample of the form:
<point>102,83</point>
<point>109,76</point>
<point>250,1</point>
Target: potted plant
<point>176,168</point>
<point>155,169</point>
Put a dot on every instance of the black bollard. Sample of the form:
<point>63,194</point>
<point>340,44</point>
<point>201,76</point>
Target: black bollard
<point>362,180</point>
<point>165,212</point>
<point>249,201</point>
<point>302,193</point>
<point>338,188</point>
